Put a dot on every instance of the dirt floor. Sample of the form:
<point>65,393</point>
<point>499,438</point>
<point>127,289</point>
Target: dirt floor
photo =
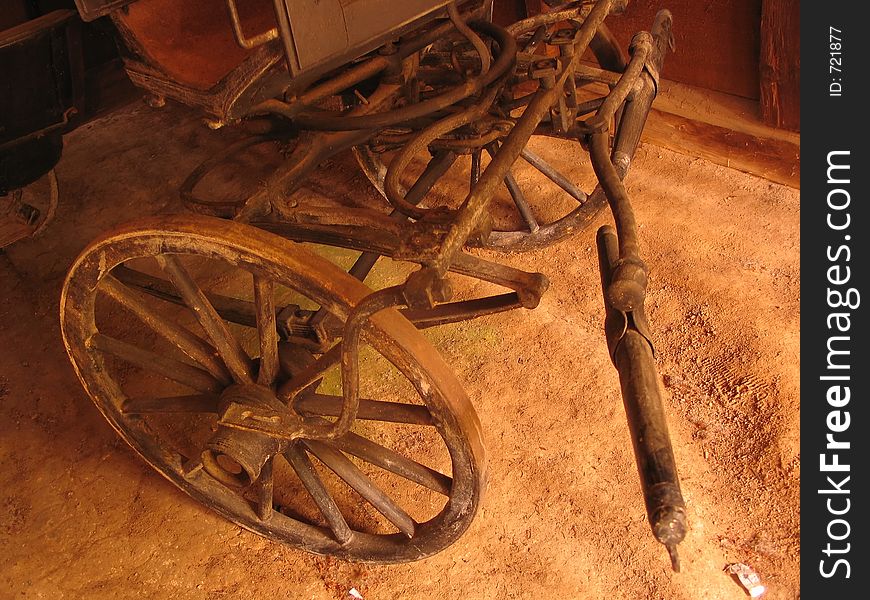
<point>84,517</point>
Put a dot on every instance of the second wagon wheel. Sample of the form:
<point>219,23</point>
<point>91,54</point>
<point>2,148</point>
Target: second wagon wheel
<point>540,203</point>
<point>164,366</point>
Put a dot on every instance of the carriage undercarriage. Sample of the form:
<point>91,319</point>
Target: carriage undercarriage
<point>310,409</point>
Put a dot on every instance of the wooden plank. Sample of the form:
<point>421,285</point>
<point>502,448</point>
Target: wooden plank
<point>505,12</point>
<point>717,108</point>
<point>773,159</point>
<point>717,41</point>
<point>780,64</point>
<point>534,7</point>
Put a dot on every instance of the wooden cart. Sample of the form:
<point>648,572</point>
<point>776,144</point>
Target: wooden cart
<point>275,386</point>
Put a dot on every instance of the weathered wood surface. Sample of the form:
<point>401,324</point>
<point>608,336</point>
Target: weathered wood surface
<point>780,64</point>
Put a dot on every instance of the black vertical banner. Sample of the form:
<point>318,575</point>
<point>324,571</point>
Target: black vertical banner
<point>835,301</point>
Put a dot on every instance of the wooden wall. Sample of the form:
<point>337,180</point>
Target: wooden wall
<point>781,63</point>
<point>717,41</point>
<point>747,48</point>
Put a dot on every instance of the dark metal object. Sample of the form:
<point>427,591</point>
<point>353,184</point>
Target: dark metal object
<point>623,281</point>
<point>632,354</point>
<point>609,57</point>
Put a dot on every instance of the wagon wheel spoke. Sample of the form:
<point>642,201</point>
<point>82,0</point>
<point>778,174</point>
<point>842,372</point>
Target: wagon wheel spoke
<point>323,405</point>
<point>189,343</point>
<point>196,403</point>
<point>176,428</point>
<point>326,405</point>
<point>183,373</point>
<point>264,490</point>
<point>342,466</point>
<point>233,310</point>
<point>301,464</point>
<point>309,374</point>
<point>553,175</point>
<point>392,461</point>
<point>267,330</point>
<point>517,196</point>
<point>520,202</point>
<point>232,353</point>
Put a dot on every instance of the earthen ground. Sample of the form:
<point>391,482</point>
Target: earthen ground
<point>83,517</point>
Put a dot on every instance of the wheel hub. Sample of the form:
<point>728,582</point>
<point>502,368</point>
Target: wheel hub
<point>235,454</point>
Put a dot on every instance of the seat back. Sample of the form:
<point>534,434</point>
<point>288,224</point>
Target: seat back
<point>41,80</point>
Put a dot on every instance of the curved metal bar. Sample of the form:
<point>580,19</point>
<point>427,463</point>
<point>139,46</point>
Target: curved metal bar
<point>392,185</point>
<point>641,46</point>
<point>336,122</point>
<point>224,209</point>
<point>468,33</point>
<point>243,41</point>
<point>356,320</point>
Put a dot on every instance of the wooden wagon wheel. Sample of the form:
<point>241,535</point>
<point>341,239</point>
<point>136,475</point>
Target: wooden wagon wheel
<point>524,230</point>
<point>359,496</point>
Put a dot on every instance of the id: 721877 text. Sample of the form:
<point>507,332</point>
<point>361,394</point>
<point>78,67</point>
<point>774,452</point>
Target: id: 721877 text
<point>835,62</point>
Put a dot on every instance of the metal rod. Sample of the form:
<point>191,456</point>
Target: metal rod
<point>243,41</point>
<point>475,167</point>
<point>633,357</point>
<point>464,310</point>
<point>553,175</point>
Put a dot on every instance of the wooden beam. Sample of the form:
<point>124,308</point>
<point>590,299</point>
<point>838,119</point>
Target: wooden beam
<point>773,159</point>
<point>780,64</point>
<point>505,12</point>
